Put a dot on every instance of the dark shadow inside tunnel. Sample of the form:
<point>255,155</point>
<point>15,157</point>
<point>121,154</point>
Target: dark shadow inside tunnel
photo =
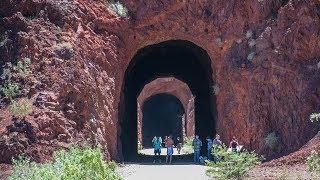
<point>180,59</point>
<point>162,116</point>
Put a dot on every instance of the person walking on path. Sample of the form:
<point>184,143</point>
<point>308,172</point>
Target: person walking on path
<point>234,144</point>
<point>209,148</point>
<point>196,147</point>
<point>157,149</point>
<point>179,144</point>
<point>216,143</point>
<point>169,145</point>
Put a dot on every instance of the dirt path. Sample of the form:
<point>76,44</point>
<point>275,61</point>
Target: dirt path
<point>163,172</point>
<point>197,172</point>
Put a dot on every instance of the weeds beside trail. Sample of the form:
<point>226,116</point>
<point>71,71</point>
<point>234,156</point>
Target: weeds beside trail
<point>73,164</point>
<point>232,165</point>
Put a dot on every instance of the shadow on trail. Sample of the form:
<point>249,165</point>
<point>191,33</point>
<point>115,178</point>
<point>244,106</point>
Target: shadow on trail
<point>149,160</point>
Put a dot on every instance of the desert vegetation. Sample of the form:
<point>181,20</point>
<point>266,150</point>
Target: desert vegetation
<point>117,7</point>
<point>75,163</point>
<point>231,165</point>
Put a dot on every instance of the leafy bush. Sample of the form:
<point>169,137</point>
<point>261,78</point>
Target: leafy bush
<point>21,108</point>
<point>76,163</point>
<point>10,89</point>
<point>232,165</point>
<point>187,147</point>
<point>118,8</point>
<point>314,117</point>
<point>23,67</point>
<point>251,56</point>
<point>313,162</point>
<point>249,34</point>
<point>272,140</point>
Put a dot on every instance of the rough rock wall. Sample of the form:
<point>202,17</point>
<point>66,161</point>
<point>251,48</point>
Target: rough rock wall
<point>176,88</point>
<point>264,56</point>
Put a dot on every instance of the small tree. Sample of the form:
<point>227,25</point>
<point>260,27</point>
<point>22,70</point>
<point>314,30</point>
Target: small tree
<point>232,165</point>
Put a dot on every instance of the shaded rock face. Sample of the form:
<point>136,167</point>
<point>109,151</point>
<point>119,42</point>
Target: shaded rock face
<point>176,88</point>
<point>264,57</point>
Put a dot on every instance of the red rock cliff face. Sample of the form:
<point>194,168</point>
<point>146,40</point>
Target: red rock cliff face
<point>264,56</point>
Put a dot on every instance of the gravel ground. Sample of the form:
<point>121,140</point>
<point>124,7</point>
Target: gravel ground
<point>197,172</point>
<point>163,172</point>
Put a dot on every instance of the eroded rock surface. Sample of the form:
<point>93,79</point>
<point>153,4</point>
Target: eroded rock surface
<point>264,54</point>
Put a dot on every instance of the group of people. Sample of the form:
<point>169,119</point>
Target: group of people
<point>169,143</point>
<point>211,144</point>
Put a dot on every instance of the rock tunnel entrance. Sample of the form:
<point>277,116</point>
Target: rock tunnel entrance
<point>180,59</point>
<point>162,116</point>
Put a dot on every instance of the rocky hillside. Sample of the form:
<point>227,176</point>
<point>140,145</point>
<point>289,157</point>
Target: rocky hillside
<point>265,58</point>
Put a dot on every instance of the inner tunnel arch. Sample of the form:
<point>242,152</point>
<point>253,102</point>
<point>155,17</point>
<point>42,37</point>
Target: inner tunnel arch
<point>162,116</point>
<point>176,58</point>
<point>175,87</point>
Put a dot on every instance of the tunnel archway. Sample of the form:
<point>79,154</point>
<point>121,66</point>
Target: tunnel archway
<point>175,87</point>
<point>177,58</point>
<point>162,116</point>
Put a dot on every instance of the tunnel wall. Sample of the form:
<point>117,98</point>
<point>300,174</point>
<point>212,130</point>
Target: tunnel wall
<point>176,88</point>
<point>80,51</point>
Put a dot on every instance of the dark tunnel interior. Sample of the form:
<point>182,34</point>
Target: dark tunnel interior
<point>162,116</point>
<point>180,59</point>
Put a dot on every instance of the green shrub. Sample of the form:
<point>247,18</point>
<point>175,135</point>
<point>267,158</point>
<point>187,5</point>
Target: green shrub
<point>232,165</point>
<point>251,56</point>
<point>272,140</point>
<point>10,89</point>
<point>3,38</point>
<point>75,163</point>
<point>249,34</point>
<point>314,117</point>
<point>117,7</point>
<point>21,108</point>
<point>23,67</point>
<point>187,147</point>
<point>313,162</point>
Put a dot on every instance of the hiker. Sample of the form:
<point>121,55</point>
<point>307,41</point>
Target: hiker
<point>209,148</point>
<point>196,147</point>
<point>169,145</point>
<point>164,142</point>
<point>216,143</point>
<point>154,139</point>
<point>157,149</point>
<point>234,144</point>
<point>179,145</point>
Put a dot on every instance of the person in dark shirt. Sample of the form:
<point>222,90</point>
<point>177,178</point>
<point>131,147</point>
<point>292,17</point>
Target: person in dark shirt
<point>179,144</point>
<point>234,144</point>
